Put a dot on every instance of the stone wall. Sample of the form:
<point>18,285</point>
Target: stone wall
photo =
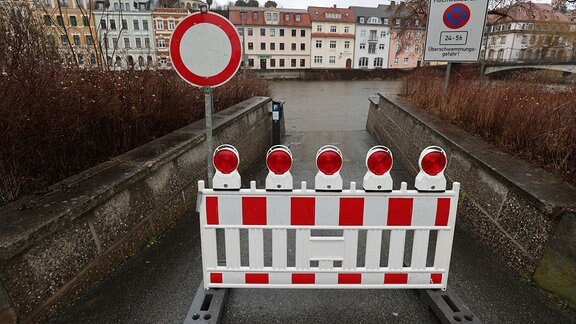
<point>53,247</point>
<point>520,211</point>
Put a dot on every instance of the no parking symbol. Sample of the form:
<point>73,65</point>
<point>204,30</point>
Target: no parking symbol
<point>456,16</point>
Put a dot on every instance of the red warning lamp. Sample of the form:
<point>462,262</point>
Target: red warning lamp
<point>329,163</point>
<point>226,160</point>
<point>379,162</point>
<point>279,162</point>
<point>432,163</point>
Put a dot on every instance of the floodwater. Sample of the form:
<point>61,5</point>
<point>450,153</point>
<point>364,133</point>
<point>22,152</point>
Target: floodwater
<point>328,105</point>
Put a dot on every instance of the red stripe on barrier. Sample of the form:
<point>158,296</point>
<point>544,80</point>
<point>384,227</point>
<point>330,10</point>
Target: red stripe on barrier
<point>257,278</point>
<point>442,211</point>
<point>349,278</point>
<point>395,278</point>
<point>400,211</point>
<point>254,210</point>
<point>212,210</point>
<point>302,211</point>
<point>436,278</point>
<point>216,277</point>
<point>303,278</point>
<point>351,212</point>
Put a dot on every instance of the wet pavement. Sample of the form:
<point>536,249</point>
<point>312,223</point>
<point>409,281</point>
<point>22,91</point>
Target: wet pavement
<point>157,285</point>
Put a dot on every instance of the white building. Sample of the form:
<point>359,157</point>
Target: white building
<point>125,33</point>
<point>372,41</point>
<point>332,43</point>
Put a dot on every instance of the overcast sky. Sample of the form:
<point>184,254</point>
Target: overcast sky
<point>303,4</point>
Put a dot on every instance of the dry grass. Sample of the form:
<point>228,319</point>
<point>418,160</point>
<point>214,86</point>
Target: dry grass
<point>534,121</point>
<point>55,122</point>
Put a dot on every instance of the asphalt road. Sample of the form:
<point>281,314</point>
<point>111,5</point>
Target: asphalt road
<point>157,285</point>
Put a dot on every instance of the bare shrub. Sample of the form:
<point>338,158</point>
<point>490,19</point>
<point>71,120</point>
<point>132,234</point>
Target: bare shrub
<point>534,121</point>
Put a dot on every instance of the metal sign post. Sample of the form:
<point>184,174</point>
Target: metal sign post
<point>206,52</point>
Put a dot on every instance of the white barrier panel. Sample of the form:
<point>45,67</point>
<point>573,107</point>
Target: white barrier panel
<point>309,239</point>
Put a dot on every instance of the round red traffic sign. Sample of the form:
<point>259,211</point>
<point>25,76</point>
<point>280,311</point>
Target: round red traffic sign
<point>205,49</point>
<point>456,16</point>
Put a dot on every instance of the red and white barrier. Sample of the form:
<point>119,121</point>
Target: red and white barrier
<point>337,239</point>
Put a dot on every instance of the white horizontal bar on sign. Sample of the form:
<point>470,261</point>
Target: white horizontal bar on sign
<point>323,227</point>
<point>334,270</point>
<point>343,193</point>
<point>329,286</point>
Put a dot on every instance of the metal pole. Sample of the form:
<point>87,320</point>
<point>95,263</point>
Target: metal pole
<point>209,141</point>
<point>447,78</point>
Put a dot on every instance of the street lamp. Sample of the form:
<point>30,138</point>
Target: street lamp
<point>244,56</point>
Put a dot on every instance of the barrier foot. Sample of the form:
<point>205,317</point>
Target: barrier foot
<point>207,305</point>
<point>448,307</point>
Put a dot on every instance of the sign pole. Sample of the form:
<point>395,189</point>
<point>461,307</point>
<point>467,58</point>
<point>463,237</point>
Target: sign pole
<point>447,77</point>
<point>209,140</point>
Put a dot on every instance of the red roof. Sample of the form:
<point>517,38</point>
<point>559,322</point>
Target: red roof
<point>236,17</point>
<point>319,14</point>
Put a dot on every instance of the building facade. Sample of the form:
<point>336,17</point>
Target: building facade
<point>125,33</point>
<point>71,27</point>
<point>532,32</point>
<point>165,20</point>
<point>333,33</point>
<point>372,40</point>
<point>273,38</point>
<point>407,37</point>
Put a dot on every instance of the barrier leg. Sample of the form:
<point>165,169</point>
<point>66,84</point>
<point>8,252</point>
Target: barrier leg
<point>207,305</point>
<point>448,307</point>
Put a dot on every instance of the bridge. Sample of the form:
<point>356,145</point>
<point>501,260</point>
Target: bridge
<point>498,66</point>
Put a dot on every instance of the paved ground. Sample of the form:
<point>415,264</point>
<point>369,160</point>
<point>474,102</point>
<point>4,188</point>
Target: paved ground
<point>157,285</point>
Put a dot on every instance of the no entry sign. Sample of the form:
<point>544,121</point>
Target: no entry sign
<point>455,28</point>
<point>205,49</point>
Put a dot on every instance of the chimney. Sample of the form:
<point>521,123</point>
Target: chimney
<point>392,4</point>
<point>334,6</point>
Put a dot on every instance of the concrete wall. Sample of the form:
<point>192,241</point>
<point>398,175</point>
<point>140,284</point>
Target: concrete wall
<point>53,247</point>
<point>519,211</point>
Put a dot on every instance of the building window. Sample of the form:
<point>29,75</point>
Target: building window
<point>417,22</point>
<point>363,62</point>
<point>302,62</point>
<point>124,24</point>
<point>102,24</point>
<point>272,32</point>
<point>263,46</point>
<point>417,48</point>
<point>112,24</point>
<point>281,62</point>
<point>73,21</point>
<point>362,20</point>
<point>80,59</point>
<point>303,33</point>
<point>76,39</point>
<point>333,15</point>
<point>302,46</point>
<point>332,44</point>
<point>397,22</point>
<point>126,42</point>
<point>171,25</point>
<point>293,46</point>
<point>268,16</point>
<point>163,62</point>
<point>318,59</point>
<point>138,42</point>
<point>407,49</point>
<point>524,39</point>
<point>346,29</point>
<point>250,31</point>
<point>262,32</point>
<point>47,20</point>
<point>240,31</point>
<point>114,42</point>
<point>386,21</point>
<point>398,47</point>
<point>272,62</point>
<point>373,20</point>
<point>145,24</point>
<point>160,24</point>
<point>255,15</point>
<point>136,25</point>
<point>297,17</point>
<point>407,35</point>
<point>287,17</point>
<point>396,60</point>
<point>318,43</point>
<point>250,46</point>
<point>347,44</point>
<point>89,40</point>
<point>332,59</point>
<point>378,62</point>
<point>373,35</point>
<point>272,46</point>
<point>362,46</point>
<point>381,46</point>
<point>147,42</point>
<point>382,34</point>
<point>64,39</point>
<point>60,21</point>
<point>85,21</point>
<point>332,29</point>
<point>281,46</point>
<point>363,33</point>
<point>503,40</point>
<point>293,32</point>
<point>282,32</point>
<point>319,28</point>
<point>161,43</point>
<point>405,61</point>
<point>418,35</point>
<point>293,62</point>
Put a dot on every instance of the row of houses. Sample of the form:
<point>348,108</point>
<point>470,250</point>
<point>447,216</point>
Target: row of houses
<point>136,34</point>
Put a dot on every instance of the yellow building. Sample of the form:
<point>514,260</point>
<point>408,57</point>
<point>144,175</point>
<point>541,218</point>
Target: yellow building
<point>70,25</point>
